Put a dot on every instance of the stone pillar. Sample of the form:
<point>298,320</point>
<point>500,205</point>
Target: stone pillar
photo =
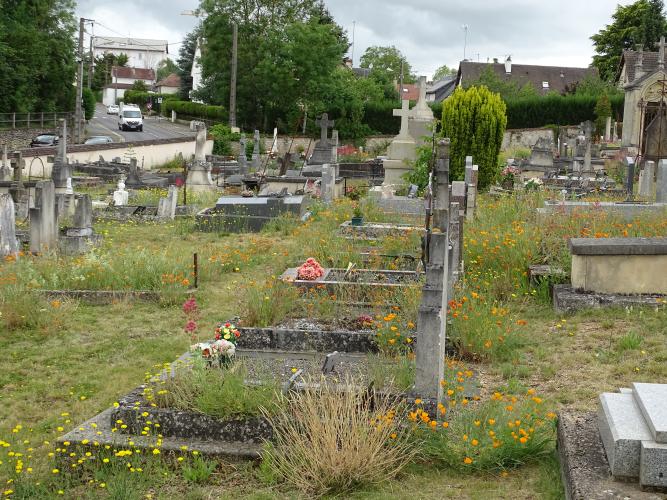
<point>661,182</point>
<point>43,218</point>
<point>243,159</point>
<point>5,169</point>
<point>334,146</point>
<point>646,180</point>
<point>82,223</point>
<point>256,163</point>
<point>432,323</point>
<point>167,206</point>
<point>607,129</point>
<point>328,183</point>
<point>630,177</point>
<point>8,243</point>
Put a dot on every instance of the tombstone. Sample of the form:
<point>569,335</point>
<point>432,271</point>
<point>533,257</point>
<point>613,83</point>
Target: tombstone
<point>432,324</point>
<point>8,243</point>
<point>471,194</point>
<point>330,362</point>
<point>5,168</point>
<point>199,171</point>
<point>166,208</point>
<point>328,183</point>
<point>422,119</point>
<point>322,153</point>
<point>274,145</point>
<point>243,159</point>
<point>82,222</point>
<point>655,140</point>
<point>630,177</point>
<point>61,170</point>
<point>646,180</point>
<point>256,161</point>
<point>120,196</point>
<point>43,218</point>
<point>133,178</point>
<point>334,146</point>
<point>402,151</point>
<point>661,182</point>
<point>607,129</point>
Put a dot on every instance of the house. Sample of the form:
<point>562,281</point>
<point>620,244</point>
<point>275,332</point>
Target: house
<point>410,91</point>
<point>360,72</point>
<point>440,90</point>
<point>169,85</point>
<point>643,77</point>
<point>141,52</point>
<point>544,79</point>
<point>122,79</point>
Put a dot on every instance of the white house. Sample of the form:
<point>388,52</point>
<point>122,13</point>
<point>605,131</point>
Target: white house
<point>141,52</point>
<point>122,79</point>
<point>169,85</point>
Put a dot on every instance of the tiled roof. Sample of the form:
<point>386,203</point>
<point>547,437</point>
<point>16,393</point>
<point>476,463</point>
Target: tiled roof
<point>172,80</point>
<point>629,58</point>
<point>134,73</point>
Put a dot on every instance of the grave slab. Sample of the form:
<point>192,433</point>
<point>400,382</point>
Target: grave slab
<point>569,301</point>
<point>652,401</point>
<point>653,465</point>
<point>622,429</point>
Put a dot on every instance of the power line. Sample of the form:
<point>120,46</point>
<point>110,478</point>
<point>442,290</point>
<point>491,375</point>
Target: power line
<point>138,42</point>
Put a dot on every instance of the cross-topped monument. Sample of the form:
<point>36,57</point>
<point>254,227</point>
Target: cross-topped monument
<point>405,113</point>
<point>324,123</point>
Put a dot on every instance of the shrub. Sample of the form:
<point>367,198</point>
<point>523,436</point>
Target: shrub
<point>333,439</point>
<point>195,110</point>
<point>222,139</point>
<point>88,103</point>
<point>475,121</point>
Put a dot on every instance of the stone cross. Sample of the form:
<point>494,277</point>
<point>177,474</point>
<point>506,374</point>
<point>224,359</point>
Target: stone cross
<point>405,115</point>
<point>8,243</point>
<point>324,123</point>
<point>17,165</point>
<point>200,144</point>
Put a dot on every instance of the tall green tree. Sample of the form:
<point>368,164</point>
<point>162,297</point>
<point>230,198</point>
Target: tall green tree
<point>444,71</point>
<point>286,48</point>
<point>602,112</point>
<point>166,68</point>
<point>186,57</point>
<point>642,22</point>
<point>475,120</point>
<point>387,64</point>
<point>37,55</point>
<point>103,66</point>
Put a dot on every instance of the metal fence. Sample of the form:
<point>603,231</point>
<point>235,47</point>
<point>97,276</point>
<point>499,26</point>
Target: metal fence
<point>33,120</point>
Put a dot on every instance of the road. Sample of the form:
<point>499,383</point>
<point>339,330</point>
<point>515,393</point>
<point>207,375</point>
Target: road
<point>104,124</point>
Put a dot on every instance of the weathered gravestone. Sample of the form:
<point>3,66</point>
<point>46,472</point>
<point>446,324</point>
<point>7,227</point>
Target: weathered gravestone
<point>8,243</point>
<point>5,169</point>
<point>256,164</point>
<point>646,180</point>
<point>243,159</point>
<point>322,153</point>
<point>61,169</point>
<point>44,219</point>
<point>402,150</point>
<point>328,183</point>
<point>199,172</point>
<point>166,208</point>
<point>661,182</point>
<point>120,196</point>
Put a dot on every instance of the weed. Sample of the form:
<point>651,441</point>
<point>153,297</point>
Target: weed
<point>199,469</point>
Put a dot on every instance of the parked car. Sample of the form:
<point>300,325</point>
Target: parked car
<point>99,139</point>
<point>112,109</point>
<point>44,140</point>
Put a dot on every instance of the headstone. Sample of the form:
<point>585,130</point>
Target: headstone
<point>328,183</point>
<point>330,362</point>
<point>8,243</point>
<point>167,206</point>
<point>255,151</point>
<point>432,323</point>
<point>68,188</point>
<point>402,150</point>
<point>661,182</point>
<point>120,196</point>
<point>82,223</point>
<point>607,130</point>
<point>5,169</point>
<point>200,143</point>
<point>199,172</point>
<point>274,146</point>
<point>322,153</point>
<point>61,170</point>
<point>334,146</point>
<point>422,119</point>
<point>133,178</point>
<point>646,180</point>
<point>43,218</point>
<point>471,195</point>
<point>630,177</point>
<point>243,159</point>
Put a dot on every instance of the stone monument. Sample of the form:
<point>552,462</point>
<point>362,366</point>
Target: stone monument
<point>243,159</point>
<point>422,119</point>
<point>120,196</point>
<point>322,153</point>
<point>61,170</point>
<point>199,171</point>
<point>402,150</point>
<point>8,243</point>
<point>44,219</point>
<point>5,169</point>
<point>646,180</point>
<point>256,161</point>
<point>166,208</point>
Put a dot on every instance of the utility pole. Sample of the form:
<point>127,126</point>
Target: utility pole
<point>232,86</point>
<point>465,40</point>
<point>90,63</point>
<point>400,89</point>
<point>78,110</point>
<point>354,25</point>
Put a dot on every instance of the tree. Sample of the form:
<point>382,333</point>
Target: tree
<point>602,112</point>
<point>387,64</point>
<point>140,86</point>
<point>286,51</point>
<point>103,66</point>
<point>186,57</point>
<point>88,103</point>
<point>37,55</point>
<point>444,71</point>
<point>642,22</point>
<point>474,120</point>
<point>165,68</point>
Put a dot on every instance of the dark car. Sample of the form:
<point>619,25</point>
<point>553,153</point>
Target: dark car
<point>44,140</point>
<point>99,139</point>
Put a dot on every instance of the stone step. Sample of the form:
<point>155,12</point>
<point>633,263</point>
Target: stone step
<point>652,402</point>
<point>653,465</point>
<point>622,429</point>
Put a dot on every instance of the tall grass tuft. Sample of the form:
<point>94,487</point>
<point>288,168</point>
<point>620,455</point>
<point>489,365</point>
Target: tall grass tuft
<point>329,440</point>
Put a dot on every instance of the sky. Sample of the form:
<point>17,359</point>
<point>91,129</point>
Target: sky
<point>429,33</point>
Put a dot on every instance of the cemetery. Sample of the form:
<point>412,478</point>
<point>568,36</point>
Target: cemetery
<point>452,317</point>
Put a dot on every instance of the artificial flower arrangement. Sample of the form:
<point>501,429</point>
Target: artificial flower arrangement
<point>533,184</point>
<point>310,270</point>
<point>222,349</point>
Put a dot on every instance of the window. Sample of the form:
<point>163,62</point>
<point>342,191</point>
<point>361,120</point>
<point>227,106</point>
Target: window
<point>545,85</point>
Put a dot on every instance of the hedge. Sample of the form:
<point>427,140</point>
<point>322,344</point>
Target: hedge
<point>140,98</point>
<point>195,110</point>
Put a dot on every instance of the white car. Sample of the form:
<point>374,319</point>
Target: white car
<point>112,109</point>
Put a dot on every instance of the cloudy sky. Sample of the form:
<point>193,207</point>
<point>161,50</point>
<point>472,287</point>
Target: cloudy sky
<point>429,32</point>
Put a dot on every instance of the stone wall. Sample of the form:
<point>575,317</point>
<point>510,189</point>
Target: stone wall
<point>526,138</point>
<point>19,138</point>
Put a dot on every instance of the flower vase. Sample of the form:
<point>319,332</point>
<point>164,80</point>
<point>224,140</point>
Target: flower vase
<point>357,221</point>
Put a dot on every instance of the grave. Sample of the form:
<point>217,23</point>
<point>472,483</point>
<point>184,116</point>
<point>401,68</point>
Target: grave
<point>256,162</point>
<point>79,238</point>
<point>241,214</point>
<point>199,171</point>
<point>361,280</point>
<point>421,122</point>
<point>44,219</point>
<point>9,245</point>
<point>541,162</point>
<point>323,148</point>
<point>627,210</point>
<point>166,209</point>
<point>61,170</point>
<point>402,151</point>
<point>377,230</point>
<point>120,196</point>
<point>646,177</point>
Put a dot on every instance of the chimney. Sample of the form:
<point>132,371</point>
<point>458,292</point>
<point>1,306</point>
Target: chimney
<point>639,63</point>
<point>495,60</point>
<point>508,65</point>
<point>348,62</point>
